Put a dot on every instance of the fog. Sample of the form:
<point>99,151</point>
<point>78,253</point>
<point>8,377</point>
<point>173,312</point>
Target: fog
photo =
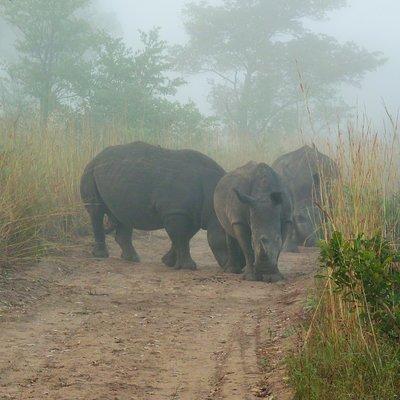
<point>369,23</point>
<point>250,65</point>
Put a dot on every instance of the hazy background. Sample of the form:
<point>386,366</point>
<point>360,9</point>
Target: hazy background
<point>372,24</point>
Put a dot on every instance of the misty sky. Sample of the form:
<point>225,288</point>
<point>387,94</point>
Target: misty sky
<point>373,24</point>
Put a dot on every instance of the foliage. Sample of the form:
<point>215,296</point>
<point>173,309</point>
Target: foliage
<point>259,51</point>
<point>52,43</point>
<point>123,79</point>
<point>135,86</point>
<point>366,271</point>
<point>67,64</point>
<point>341,362</point>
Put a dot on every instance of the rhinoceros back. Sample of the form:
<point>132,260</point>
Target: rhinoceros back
<point>300,168</point>
<point>141,184</point>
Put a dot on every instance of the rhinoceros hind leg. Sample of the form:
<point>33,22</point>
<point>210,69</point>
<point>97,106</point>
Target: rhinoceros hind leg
<point>292,242</point>
<point>273,277</point>
<point>100,250</point>
<point>180,230</point>
<point>169,259</point>
<point>96,213</point>
<point>123,236</point>
<point>291,247</point>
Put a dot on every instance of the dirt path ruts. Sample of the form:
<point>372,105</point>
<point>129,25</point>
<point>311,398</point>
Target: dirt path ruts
<point>78,328</point>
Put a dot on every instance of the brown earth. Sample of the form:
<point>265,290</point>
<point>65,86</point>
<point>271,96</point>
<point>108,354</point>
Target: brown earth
<point>77,328</point>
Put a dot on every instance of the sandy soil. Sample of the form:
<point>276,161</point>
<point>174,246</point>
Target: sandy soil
<point>77,328</point>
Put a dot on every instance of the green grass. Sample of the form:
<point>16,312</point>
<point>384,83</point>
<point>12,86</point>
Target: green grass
<point>339,368</point>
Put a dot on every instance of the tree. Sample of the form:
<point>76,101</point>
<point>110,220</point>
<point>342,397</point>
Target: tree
<point>123,78</point>
<point>68,61</point>
<point>259,52</point>
<point>53,42</point>
<point>135,86</point>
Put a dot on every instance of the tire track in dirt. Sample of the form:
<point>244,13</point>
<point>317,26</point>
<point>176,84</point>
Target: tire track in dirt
<point>237,370</point>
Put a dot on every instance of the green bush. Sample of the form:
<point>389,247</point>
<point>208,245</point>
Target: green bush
<point>367,271</point>
<point>352,346</point>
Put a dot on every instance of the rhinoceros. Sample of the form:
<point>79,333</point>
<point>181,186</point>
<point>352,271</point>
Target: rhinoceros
<point>304,171</point>
<point>147,187</point>
<point>255,209</point>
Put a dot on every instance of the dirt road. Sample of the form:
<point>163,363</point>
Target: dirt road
<point>77,328</point>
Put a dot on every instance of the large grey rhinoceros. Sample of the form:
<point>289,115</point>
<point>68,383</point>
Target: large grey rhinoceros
<point>147,187</point>
<point>303,171</point>
<point>254,208</point>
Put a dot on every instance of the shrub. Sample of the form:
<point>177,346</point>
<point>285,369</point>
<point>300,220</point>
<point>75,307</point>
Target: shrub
<point>366,271</point>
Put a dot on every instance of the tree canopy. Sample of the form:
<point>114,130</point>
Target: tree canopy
<point>52,43</point>
<point>261,53</point>
<point>67,61</point>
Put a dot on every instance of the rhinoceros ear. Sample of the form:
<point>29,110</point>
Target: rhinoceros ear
<point>277,197</point>
<point>244,198</point>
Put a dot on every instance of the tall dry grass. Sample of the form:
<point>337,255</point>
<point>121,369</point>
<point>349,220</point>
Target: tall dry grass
<point>40,208</point>
<point>368,163</point>
<point>343,355</point>
<point>358,203</point>
<point>40,171</point>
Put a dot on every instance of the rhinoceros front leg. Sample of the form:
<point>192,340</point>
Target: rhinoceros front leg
<point>234,263</point>
<point>243,236</point>
<point>180,230</point>
<point>123,237</point>
<point>291,243</point>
